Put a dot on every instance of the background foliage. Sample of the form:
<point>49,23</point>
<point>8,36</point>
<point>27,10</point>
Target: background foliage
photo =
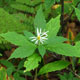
<point>19,20</point>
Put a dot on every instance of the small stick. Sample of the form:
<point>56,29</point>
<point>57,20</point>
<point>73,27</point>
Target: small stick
<point>35,78</point>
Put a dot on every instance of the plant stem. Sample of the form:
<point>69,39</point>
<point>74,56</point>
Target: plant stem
<point>44,62</point>
<point>62,14</point>
<point>73,60</point>
<point>47,76</point>
<point>77,75</point>
<point>35,78</point>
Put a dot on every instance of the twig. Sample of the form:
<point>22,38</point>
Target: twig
<point>74,72</point>
<point>62,13</point>
<point>77,75</point>
<point>35,78</point>
<point>68,18</point>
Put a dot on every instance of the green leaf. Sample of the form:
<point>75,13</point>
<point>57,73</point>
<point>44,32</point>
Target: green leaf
<point>77,38</point>
<point>75,2</point>
<point>42,50</point>
<point>67,76</point>
<point>9,22</point>
<point>6,63</point>
<point>20,65</point>
<point>2,73</point>
<point>28,22</point>
<point>9,65</point>
<point>21,72</point>
<point>29,74</point>
<point>62,77</point>
<point>49,3</point>
<point>67,8</point>
<point>56,39</point>
<point>53,66</point>
<point>10,70</point>
<point>22,7</point>
<point>23,1</point>
<point>78,6</point>
<point>0,54</point>
<point>77,46</point>
<point>53,26</point>
<point>28,34</point>
<point>39,20</point>
<point>77,13</point>
<point>15,38</point>
<point>18,77</point>
<point>23,52</point>
<point>32,62</point>
<point>31,3</point>
<point>63,49</point>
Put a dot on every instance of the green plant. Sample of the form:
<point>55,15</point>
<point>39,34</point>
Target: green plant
<point>27,48</point>
<point>18,70</point>
<point>35,37</point>
<point>67,76</point>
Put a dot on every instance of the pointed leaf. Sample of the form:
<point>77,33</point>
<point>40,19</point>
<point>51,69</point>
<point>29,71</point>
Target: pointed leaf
<point>6,63</point>
<point>56,39</point>
<point>39,20</point>
<point>77,13</point>
<point>32,62</point>
<point>53,66</point>
<point>15,38</point>
<point>3,73</point>
<point>23,52</point>
<point>28,34</point>
<point>10,70</point>
<point>21,63</point>
<point>64,49</point>
<point>42,50</point>
<point>77,38</point>
<point>18,77</point>
<point>75,2</point>
<point>77,46</point>
<point>9,65</point>
<point>53,26</point>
